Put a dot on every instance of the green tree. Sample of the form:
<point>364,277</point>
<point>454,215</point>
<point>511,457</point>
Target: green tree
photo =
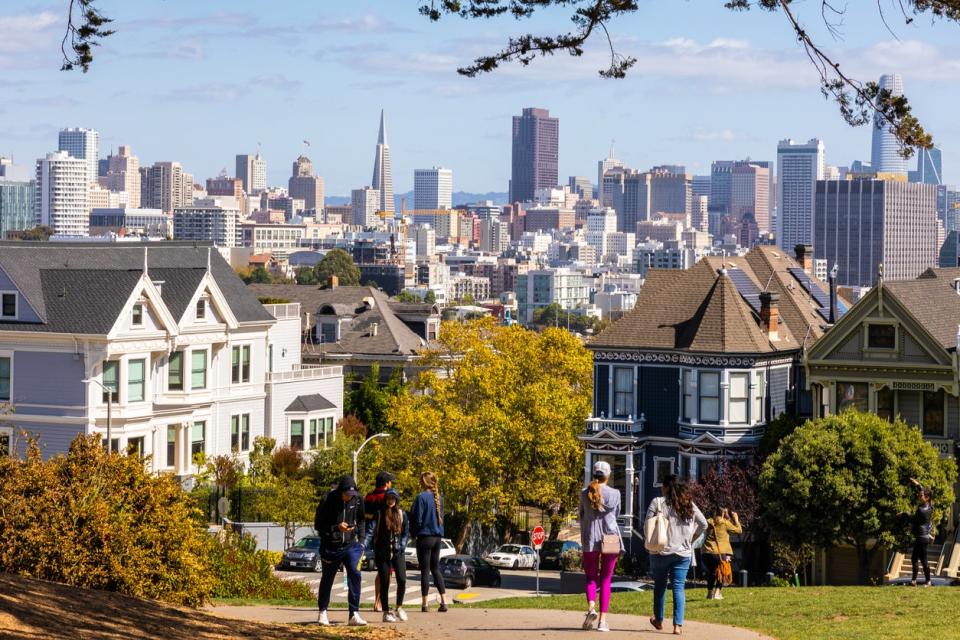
<point>261,458</point>
<point>430,297</point>
<point>370,400</point>
<point>408,297</point>
<point>494,404</point>
<point>845,480</point>
<point>306,275</point>
<point>259,275</point>
<point>287,501</point>
<point>39,233</point>
<point>338,263</point>
<point>332,463</point>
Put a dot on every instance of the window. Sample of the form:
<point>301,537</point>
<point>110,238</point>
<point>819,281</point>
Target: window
<point>881,336</point>
<point>175,371</point>
<point>137,320</point>
<point>114,444</point>
<point>5,379</point>
<point>240,364</point>
<point>201,309</point>
<point>171,446</point>
<point>198,438</point>
<point>739,398</point>
<point>8,305</point>
<point>328,332</point>
<point>240,432</point>
<point>328,433</point>
<point>689,395</point>
<point>136,380</point>
<point>313,432</point>
<point>135,446</point>
<point>851,395</point>
<point>234,433</point>
<point>662,467</point>
<point>709,396</point>
<point>622,392</point>
<point>685,467</point>
<point>296,434</point>
<point>933,413</point>
<point>759,391</point>
<point>270,358</point>
<point>198,369</point>
<point>111,375</point>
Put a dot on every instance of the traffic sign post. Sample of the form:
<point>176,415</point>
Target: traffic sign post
<point>537,537</point>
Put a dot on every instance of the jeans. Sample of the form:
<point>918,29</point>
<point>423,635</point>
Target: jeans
<point>675,567</point>
<point>599,565</point>
<point>399,566</point>
<point>920,555</point>
<point>428,557</point>
<point>350,557</point>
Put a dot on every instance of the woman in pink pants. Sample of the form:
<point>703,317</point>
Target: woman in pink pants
<point>599,508</point>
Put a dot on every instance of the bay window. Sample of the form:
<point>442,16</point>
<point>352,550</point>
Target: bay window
<point>5,374</point>
<point>111,377</point>
<point>240,364</point>
<point>885,403</point>
<point>296,434</point>
<point>759,393</point>
<point>622,392</point>
<point>739,398</point>
<point>709,396</point>
<point>136,380</point>
<point>198,439</point>
<point>689,395</point>
<point>933,413</point>
<point>851,395</point>
<point>175,371</point>
<point>198,370</point>
<point>171,446</point>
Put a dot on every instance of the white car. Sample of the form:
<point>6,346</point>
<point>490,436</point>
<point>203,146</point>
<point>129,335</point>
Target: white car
<point>513,556</point>
<point>410,553</point>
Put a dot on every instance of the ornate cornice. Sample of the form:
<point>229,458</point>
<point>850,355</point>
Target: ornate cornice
<point>690,359</point>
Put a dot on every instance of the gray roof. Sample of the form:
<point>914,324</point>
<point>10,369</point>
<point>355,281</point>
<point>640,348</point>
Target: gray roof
<point>312,402</point>
<point>932,299</point>
<point>81,288</point>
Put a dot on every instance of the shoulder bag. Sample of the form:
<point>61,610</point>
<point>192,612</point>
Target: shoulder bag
<point>655,529</point>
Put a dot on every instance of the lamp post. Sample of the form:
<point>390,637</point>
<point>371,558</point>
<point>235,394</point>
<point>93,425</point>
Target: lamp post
<point>109,393</point>
<point>356,453</point>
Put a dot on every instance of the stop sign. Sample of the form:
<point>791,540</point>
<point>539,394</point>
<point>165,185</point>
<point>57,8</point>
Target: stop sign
<point>538,536</point>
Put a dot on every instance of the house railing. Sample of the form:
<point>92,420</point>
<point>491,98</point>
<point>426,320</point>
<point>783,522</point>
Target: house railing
<point>626,426</point>
<point>283,311</point>
<point>305,372</point>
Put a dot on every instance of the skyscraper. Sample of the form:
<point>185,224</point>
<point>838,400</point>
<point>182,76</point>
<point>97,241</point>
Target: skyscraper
<point>433,188</point>
<point>306,186</point>
<point>885,152</point>
<point>252,171</point>
<point>535,154</point>
<point>929,167</point>
<point>669,190</point>
<point>123,175</point>
<point>582,186</point>
<point>635,202</point>
<point>382,174</point>
<point>17,209</point>
<point>749,195</point>
<point>165,186</point>
<point>83,144</point>
<point>610,162</point>
<point>799,166</point>
<point>61,194</point>
<point>364,204</point>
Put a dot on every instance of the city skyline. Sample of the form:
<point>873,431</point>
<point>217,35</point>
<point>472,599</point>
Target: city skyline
<point>695,97</point>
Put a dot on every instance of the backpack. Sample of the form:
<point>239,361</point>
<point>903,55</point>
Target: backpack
<point>655,529</point>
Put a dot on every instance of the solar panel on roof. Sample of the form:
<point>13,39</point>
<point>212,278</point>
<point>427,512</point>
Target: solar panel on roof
<point>747,289</point>
<point>821,297</point>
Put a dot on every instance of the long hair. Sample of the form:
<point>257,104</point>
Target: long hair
<point>594,492</point>
<point>393,517</point>
<point>429,481</point>
<point>678,496</point>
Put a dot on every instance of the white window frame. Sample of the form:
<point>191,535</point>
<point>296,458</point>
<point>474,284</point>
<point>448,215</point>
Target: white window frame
<point>175,429</point>
<point>745,399</point>
<point>240,348</point>
<point>193,425</point>
<point>866,336</point>
<point>146,377</point>
<point>16,304</point>
<point>306,423</point>
<point>202,303</point>
<point>700,396</point>
<point>689,378</point>
<point>133,315</point>
<point>239,417</point>
<point>632,392</point>
<point>8,354</point>
<point>758,396</point>
<point>656,465</point>
<point>206,377</point>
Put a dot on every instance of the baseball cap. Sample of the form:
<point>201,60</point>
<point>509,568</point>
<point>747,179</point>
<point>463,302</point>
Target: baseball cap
<point>347,486</point>
<point>383,478</point>
<point>601,468</point>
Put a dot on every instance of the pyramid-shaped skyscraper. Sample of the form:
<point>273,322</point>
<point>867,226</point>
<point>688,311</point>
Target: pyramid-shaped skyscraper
<point>382,175</point>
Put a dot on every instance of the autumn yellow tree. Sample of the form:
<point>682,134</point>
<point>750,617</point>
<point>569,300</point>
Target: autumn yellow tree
<point>496,415</point>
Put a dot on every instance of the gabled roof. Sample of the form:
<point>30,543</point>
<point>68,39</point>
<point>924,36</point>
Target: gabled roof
<point>308,403</point>
<point>932,299</point>
<point>81,288</point>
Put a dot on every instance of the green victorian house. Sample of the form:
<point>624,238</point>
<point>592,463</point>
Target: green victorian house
<point>895,353</point>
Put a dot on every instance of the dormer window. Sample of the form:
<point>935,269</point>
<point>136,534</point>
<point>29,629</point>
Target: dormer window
<point>137,319</point>
<point>202,309</point>
<point>8,306</point>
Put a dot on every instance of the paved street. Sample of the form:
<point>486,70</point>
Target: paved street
<point>514,583</point>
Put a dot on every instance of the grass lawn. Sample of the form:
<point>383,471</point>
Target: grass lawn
<point>808,613</point>
<point>276,602</point>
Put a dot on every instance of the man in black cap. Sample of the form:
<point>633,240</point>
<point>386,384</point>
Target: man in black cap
<point>372,505</point>
<point>340,523</point>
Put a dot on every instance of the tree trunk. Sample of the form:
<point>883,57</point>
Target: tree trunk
<point>464,532</point>
<point>864,561</point>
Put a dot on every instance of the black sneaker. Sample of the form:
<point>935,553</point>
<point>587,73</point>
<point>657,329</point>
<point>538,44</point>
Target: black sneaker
<point>424,608</point>
<point>443,607</point>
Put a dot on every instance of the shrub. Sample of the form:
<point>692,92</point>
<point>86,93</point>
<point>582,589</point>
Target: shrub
<point>286,463</point>
<point>777,581</point>
<point>352,427</point>
<point>240,571</point>
<point>572,560</point>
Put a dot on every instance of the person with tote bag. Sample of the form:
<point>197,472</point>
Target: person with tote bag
<point>672,523</point>
<point>601,543</point>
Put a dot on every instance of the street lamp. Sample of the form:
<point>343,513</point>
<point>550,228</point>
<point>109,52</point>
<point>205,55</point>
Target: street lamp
<point>360,448</point>
<point>109,393</point>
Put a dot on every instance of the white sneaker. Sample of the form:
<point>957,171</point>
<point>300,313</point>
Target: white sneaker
<point>401,614</point>
<point>356,621</point>
<point>389,617</point>
<point>590,620</point>
<point>323,620</point>
<point>603,626</point>
<point>718,596</point>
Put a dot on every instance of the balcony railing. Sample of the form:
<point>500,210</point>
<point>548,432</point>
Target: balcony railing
<point>726,434</point>
<point>283,311</point>
<point>305,372</point>
<point>624,426</point>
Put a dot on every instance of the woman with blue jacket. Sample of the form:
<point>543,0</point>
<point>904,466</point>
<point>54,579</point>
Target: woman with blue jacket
<point>426,524</point>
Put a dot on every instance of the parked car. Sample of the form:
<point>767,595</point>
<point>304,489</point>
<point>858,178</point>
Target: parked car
<point>410,553</point>
<point>551,553</point>
<point>630,585</point>
<point>463,572</point>
<point>305,554</point>
<point>513,556</point>
<point>369,562</point>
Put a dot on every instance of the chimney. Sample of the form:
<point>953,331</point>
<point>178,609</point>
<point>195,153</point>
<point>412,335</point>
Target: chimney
<point>804,253</point>
<point>770,314</point>
<point>373,329</point>
<point>334,282</point>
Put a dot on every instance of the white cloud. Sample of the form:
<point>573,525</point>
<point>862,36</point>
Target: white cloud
<point>21,33</point>
<point>368,23</point>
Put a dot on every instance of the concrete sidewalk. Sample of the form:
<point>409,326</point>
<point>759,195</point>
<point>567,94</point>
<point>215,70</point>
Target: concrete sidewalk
<point>493,624</point>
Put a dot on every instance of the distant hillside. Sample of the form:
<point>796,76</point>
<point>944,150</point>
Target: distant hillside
<point>459,198</point>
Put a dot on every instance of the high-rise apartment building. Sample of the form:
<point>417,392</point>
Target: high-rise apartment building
<point>635,202</point>
<point>364,204</point>
<point>444,222</point>
<point>83,144</point>
<point>6,164</point>
<point>929,167</point>
<point>165,186</point>
<point>670,190</point>
<point>215,220</point>
<point>17,209</point>
<point>433,188</point>
<point>123,175</point>
<point>252,172</point>
<point>750,195</point>
<point>700,186</point>
<point>700,213</point>
<point>62,187</point>
<point>612,186</point>
<point>535,154</point>
<point>885,152</point>
<point>610,162</point>
<point>862,223</point>
<point>382,173</point>
<point>306,186</point>
<point>424,238</point>
<point>799,166</point>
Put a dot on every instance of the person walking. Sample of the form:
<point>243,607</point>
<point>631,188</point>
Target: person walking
<point>921,526</point>
<point>426,524</point>
<point>686,524</point>
<point>340,523</point>
<point>391,532</point>
<point>601,543</point>
<point>372,505</point>
<point>717,550</point>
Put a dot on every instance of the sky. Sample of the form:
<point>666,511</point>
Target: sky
<point>200,82</point>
